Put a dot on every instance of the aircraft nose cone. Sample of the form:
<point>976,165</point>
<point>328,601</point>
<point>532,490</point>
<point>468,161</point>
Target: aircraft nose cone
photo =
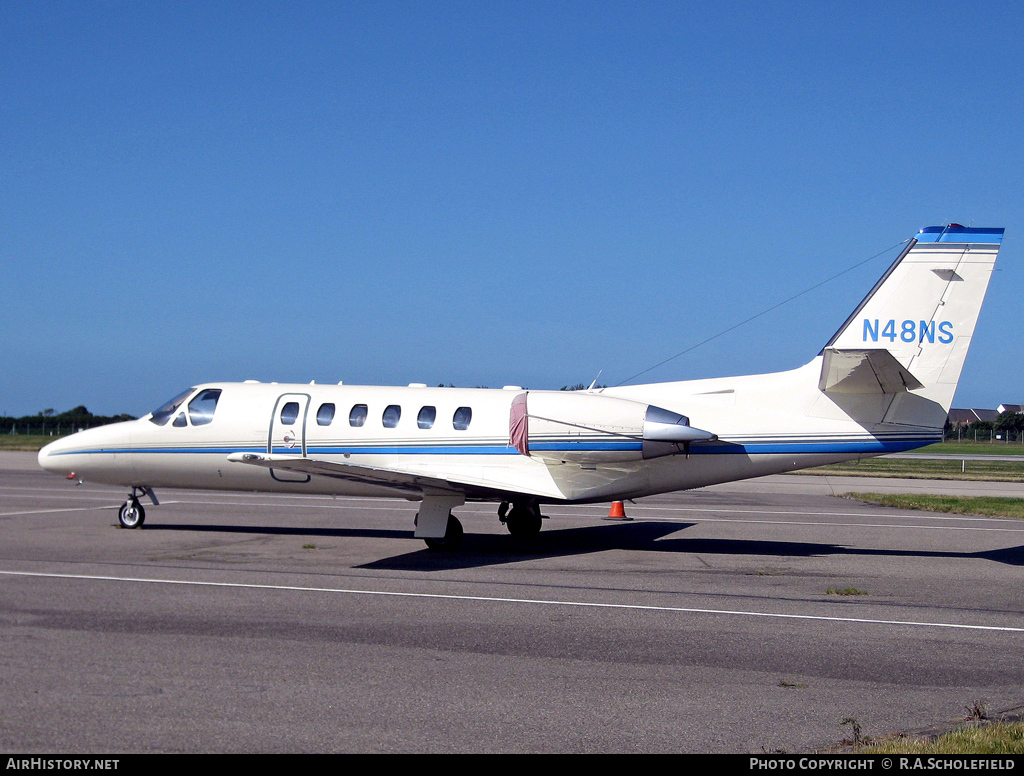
<point>49,461</point>
<point>91,454</point>
<point>45,460</point>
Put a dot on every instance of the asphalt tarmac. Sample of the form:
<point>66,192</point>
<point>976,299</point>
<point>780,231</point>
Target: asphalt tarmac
<point>711,622</point>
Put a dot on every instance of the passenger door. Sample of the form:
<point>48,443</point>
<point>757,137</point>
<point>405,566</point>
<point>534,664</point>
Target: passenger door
<point>288,431</point>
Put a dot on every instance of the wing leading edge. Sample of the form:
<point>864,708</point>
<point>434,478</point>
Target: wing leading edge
<point>403,483</point>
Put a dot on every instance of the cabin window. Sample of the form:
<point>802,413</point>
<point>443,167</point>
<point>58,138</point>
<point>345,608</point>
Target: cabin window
<point>357,416</point>
<point>392,414</point>
<point>180,422</point>
<point>426,417</point>
<point>289,412</point>
<point>325,415</point>
<point>163,413</point>
<point>462,418</point>
<point>201,408</point>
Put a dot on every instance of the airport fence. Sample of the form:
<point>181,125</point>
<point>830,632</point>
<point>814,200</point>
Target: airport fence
<point>55,427</point>
<point>993,436</point>
<point>47,429</point>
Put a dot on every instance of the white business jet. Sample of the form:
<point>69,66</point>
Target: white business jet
<point>884,383</point>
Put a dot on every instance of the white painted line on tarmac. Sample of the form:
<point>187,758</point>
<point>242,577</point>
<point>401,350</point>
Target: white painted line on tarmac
<point>1007,525</point>
<point>356,504</point>
<point>48,511</point>
<point>69,509</point>
<point>830,524</point>
<point>82,495</point>
<point>915,514</point>
<point>526,601</point>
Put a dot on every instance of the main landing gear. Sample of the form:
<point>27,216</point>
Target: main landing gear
<point>435,523</point>
<point>523,522</point>
<point>452,536</point>
<point>441,530</point>
<point>521,518</point>
<point>131,514</point>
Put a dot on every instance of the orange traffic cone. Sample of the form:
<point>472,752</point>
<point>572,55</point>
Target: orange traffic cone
<point>617,512</point>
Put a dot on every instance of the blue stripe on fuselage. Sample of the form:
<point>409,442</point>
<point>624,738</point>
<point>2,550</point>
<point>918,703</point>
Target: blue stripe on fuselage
<point>863,446</point>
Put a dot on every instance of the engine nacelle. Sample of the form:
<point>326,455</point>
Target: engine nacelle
<point>593,428</point>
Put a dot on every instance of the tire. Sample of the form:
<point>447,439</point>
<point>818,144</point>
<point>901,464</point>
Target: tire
<point>523,523</point>
<point>131,514</point>
<point>452,536</point>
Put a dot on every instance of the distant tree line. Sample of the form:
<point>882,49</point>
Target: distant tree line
<point>1009,426</point>
<point>57,423</point>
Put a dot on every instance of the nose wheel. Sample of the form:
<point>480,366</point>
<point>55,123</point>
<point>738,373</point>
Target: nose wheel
<point>131,514</point>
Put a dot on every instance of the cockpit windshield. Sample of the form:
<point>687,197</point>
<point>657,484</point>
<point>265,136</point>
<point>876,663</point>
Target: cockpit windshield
<point>164,411</point>
<point>201,408</point>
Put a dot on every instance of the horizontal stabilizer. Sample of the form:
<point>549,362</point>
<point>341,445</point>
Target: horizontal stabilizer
<point>864,371</point>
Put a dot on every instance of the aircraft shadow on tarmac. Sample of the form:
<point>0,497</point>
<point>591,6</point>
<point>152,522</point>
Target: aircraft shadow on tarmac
<point>277,530</point>
<point>483,550</point>
<point>480,550</point>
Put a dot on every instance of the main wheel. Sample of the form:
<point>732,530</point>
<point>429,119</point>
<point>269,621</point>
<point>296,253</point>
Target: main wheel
<point>131,514</point>
<point>452,536</point>
<point>523,522</point>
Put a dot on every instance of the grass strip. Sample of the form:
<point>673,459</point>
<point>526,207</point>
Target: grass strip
<point>994,738</point>
<point>26,441</point>
<point>917,468</point>
<point>973,448</point>
<point>989,506</point>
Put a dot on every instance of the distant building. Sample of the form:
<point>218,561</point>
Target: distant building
<point>1011,408</point>
<point>961,417</point>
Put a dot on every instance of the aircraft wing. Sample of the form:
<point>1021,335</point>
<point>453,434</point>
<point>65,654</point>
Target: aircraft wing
<point>406,483</point>
<point>864,371</point>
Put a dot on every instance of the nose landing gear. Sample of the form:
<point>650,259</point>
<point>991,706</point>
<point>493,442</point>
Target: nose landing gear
<point>131,514</point>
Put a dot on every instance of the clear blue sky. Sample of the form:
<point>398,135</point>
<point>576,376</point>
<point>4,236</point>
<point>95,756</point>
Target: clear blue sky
<point>483,193</point>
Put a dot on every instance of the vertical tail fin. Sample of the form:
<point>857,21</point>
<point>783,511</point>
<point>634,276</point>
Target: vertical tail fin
<point>923,312</point>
